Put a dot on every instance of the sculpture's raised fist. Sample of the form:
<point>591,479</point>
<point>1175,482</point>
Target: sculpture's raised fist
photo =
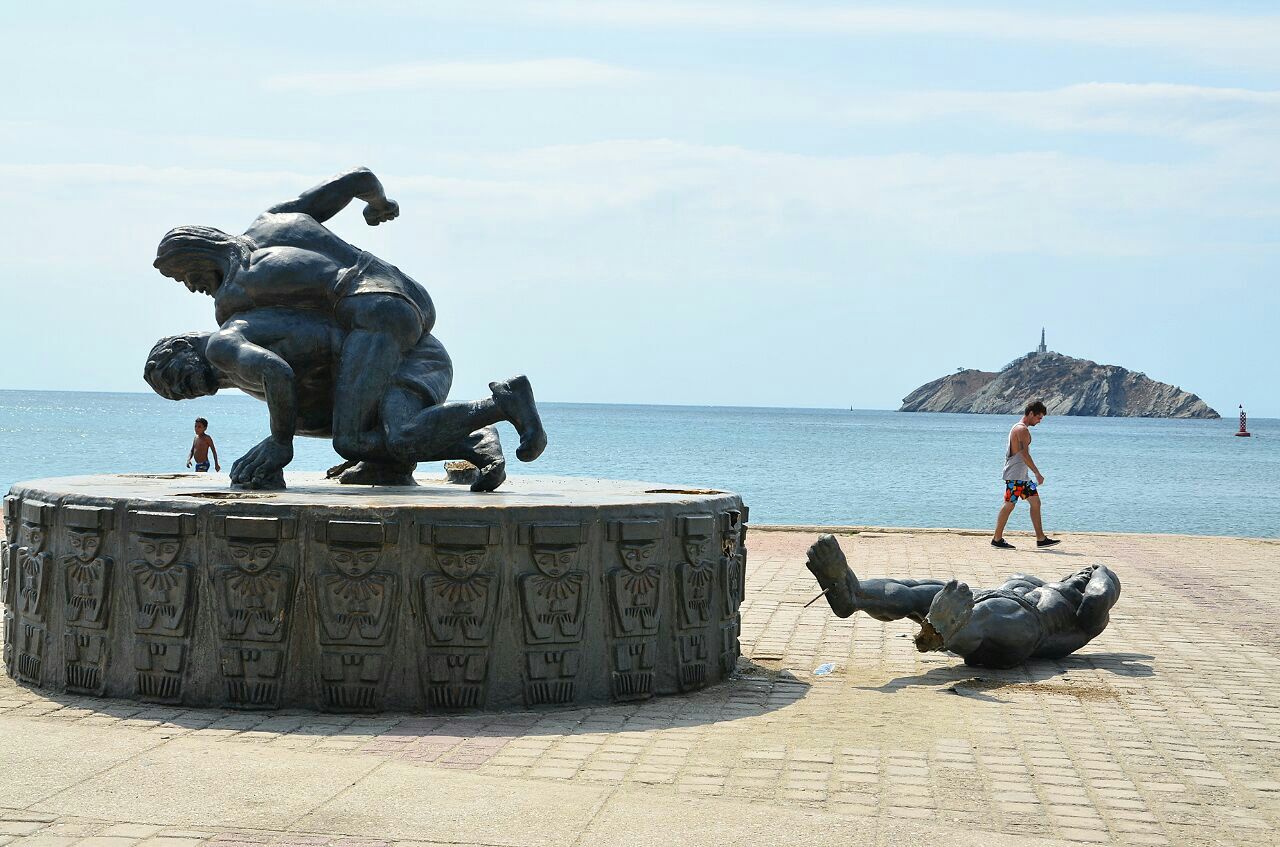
<point>388,211</point>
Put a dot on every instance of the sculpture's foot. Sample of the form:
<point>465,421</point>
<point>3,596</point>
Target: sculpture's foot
<point>515,398</point>
<point>950,610</point>
<point>829,566</point>
<point>270,482</point>
<point>379,473</point>
<point>336,471</point>
<point>491,476</point>
<point>485,452</point>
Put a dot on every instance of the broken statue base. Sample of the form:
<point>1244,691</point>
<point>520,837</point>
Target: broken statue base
<point>549,592</point>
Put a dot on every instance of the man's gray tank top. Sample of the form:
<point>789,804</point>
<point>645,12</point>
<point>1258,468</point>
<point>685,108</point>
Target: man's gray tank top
<point>1015,464</point>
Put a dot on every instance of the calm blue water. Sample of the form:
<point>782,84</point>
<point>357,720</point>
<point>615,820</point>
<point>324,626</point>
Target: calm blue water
<point>815,466</point>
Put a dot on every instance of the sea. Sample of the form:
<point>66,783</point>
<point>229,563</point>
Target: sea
<point>792,466</point>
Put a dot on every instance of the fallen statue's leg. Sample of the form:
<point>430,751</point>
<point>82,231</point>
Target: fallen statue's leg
<point>882,599</point>
<point>829,566</point>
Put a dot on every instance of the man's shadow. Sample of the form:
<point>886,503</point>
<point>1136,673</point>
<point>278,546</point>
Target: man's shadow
<point>970,680</point>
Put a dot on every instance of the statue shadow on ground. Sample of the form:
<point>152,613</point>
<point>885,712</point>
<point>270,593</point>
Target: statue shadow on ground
<point>753,690</point>
<point>1037,676</point>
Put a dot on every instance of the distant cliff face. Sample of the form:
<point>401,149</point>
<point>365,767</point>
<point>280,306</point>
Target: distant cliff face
<point>1065,385</point>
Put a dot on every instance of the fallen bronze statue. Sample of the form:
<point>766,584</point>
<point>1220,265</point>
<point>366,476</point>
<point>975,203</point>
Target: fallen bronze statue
<point>1025,618</point>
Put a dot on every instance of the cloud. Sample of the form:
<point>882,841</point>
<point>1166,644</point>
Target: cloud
<point>684,195</point>
<point>147,176</point>
<point>1199,114</point>
<point>1222,38</point>
<point>535,73</point>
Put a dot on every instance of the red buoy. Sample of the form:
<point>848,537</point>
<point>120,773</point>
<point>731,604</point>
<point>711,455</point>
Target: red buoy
<point>1243,431</point>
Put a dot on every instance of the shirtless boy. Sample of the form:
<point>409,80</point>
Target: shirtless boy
<point>200,448</point>
<point>1018,468</point>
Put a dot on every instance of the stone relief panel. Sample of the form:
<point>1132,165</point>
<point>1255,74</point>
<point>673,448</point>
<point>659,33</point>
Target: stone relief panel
<point>731,582</point>
<point>86,573</point>
<point>254,578</point>
<point>695,589</point>
<point>8,580</point>
<point>85,660</point>
<point>459,600</point>
<point>35,564</point>
<point>86,594</point>
<point>9,548</point>
<point>742,551</point>
<point>730,563</point>
<point>356,599</point>
<point>34,573</point>
<point>163,596</point>
<point>553,603</point>
<point>635,604</point>
<point>10,623</point>
<point>31,641</point>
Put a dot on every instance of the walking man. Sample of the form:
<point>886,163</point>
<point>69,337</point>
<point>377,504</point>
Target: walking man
<point>1018,469</point>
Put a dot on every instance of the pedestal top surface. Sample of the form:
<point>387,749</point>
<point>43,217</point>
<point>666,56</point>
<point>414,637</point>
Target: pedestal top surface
<point>311,488</point>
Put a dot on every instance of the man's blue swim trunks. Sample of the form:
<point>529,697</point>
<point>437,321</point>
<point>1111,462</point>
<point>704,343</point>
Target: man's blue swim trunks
<point>1015,489</point>
<point>202,467</point>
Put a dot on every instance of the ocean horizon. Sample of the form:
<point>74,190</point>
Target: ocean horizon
<point>832,467</point>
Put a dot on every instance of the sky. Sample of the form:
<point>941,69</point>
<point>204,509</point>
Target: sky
<point>710,203</point>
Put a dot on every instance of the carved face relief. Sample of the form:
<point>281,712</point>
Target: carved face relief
<point>695,547</point>
<point>84,544</point>
<point>555,561</point>
<point>637,555</point>
<point>460,562</point>
<point>159,551</point>
<point>252,558</point>
<point>354,560</point>
<point>34,535</point>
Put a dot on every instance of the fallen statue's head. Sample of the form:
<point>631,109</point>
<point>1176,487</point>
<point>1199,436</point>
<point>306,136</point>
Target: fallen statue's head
<point>177,368</point>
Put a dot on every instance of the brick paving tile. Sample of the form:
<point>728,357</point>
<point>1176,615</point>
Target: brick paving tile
<point>106,841</point>
<point>41,840</point>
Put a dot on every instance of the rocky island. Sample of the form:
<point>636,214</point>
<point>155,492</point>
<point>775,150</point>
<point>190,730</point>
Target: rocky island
<point>1066,385</point>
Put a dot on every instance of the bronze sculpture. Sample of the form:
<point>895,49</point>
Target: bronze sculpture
<point>1025,618</point>
<point>337,342</point>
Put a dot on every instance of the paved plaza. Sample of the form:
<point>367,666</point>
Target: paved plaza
<point>1165,730</point>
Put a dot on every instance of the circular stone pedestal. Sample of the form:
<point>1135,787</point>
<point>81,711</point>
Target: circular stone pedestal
<point>549,592</point>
